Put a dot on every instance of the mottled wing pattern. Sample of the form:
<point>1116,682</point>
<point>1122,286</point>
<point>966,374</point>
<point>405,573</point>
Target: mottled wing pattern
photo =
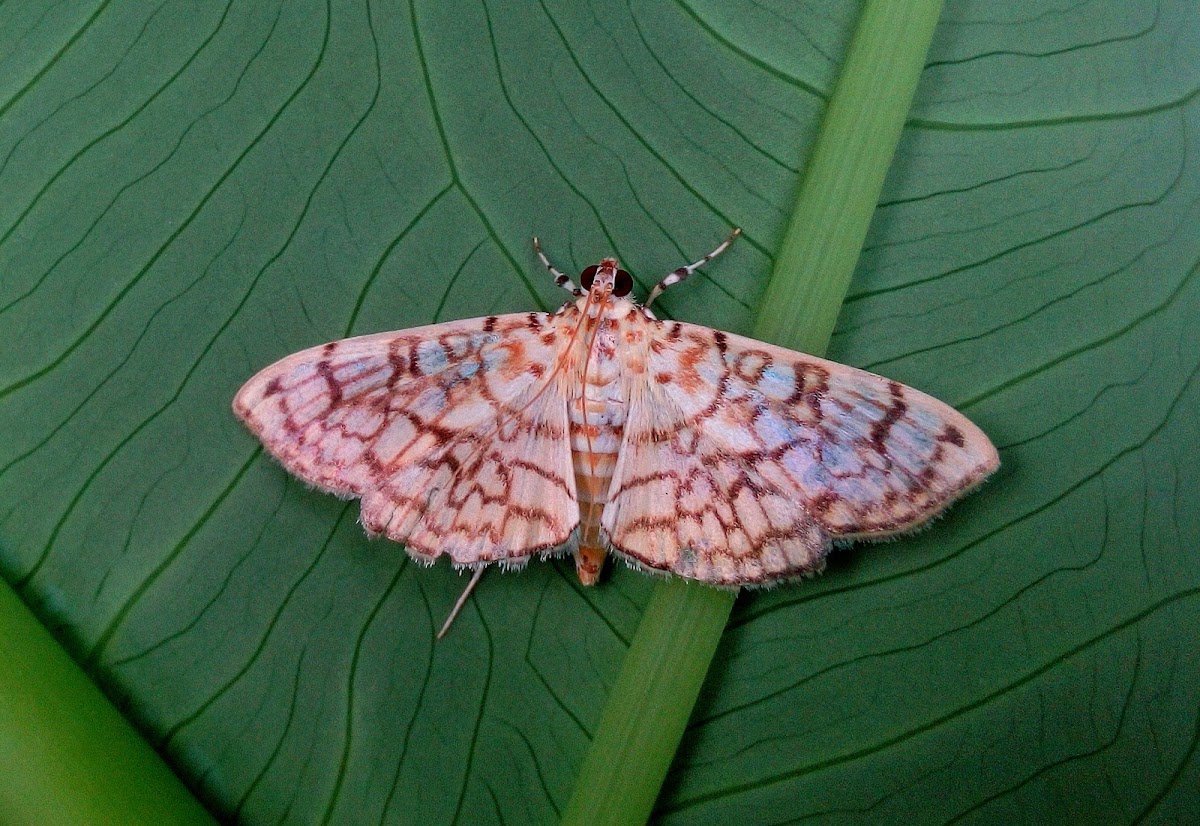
<point>742,461</point>
<point>455,435</point>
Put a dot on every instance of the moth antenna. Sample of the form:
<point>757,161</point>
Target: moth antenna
<point>560,278</point>
<point>683,272</point>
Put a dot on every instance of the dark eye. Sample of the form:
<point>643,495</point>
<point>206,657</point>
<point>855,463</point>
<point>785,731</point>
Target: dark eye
<point>623,283</point>
<point>588,276</point>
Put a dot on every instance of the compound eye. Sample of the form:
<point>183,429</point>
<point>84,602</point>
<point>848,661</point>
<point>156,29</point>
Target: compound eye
<point>588,276</point>
<point>622,284</point>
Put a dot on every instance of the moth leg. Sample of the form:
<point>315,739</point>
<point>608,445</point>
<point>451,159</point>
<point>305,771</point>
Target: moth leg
<point>683,272</point>
<point>560,278</point>
<point>462,600</point>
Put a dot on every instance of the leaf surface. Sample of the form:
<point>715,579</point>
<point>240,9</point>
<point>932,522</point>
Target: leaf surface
<point>192,192</point>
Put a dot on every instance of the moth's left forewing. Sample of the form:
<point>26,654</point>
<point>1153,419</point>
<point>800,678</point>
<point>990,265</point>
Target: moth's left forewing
<point>687,495</point>
<point>870,457</point>
<point>742,461</point>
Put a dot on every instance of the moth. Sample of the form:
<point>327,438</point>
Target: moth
<point>600,428</point>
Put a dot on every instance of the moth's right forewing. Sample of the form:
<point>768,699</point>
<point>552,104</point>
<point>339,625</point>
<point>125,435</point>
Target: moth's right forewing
<point>452,433</point>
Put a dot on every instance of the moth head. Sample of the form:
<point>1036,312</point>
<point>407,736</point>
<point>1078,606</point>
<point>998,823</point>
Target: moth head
<point>605,279</point>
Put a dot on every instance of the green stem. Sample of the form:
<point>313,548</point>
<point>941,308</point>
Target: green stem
<point>649,706</point>
<point>660,679</point>
<point>67,755</point>
<point>845,173</point>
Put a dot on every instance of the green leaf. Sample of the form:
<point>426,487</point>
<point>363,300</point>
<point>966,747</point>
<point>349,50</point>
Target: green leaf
<point>192,191</point>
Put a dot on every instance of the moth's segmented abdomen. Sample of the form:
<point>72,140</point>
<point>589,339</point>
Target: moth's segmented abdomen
<point>597,426</point>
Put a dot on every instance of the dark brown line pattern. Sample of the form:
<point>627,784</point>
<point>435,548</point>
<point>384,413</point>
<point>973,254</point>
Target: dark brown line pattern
<point>790,452</point>
<point>333,388</point>
<point>684,449</point>
<point>396,435</point>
